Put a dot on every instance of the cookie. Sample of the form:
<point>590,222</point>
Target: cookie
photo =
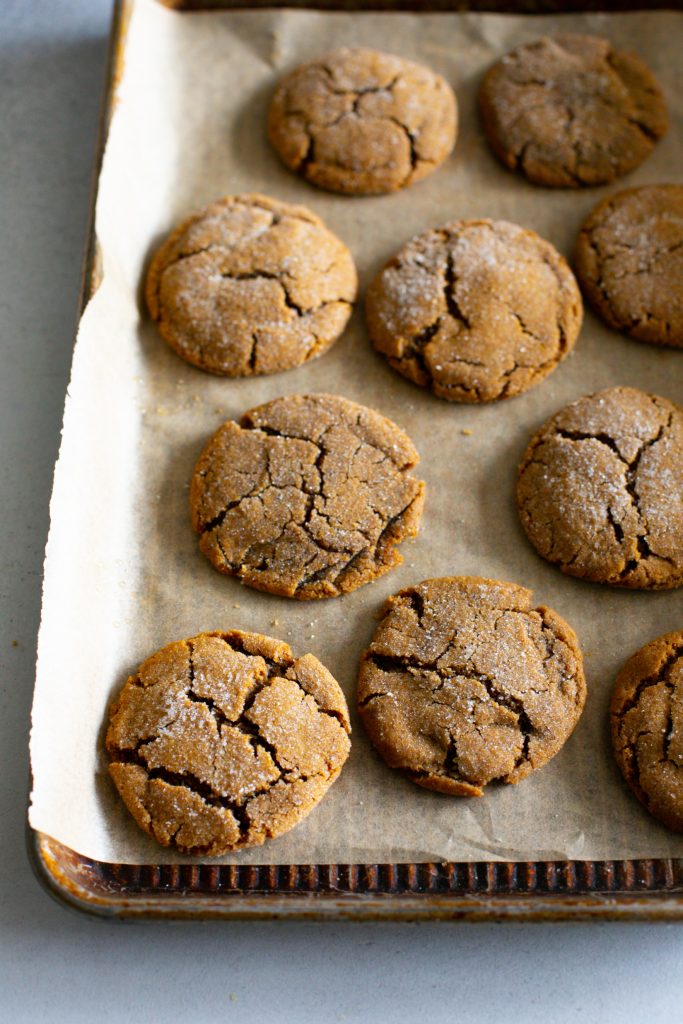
<point>647,727</point>
<point>629,261</point>
<point>225,740</point>
<point>600,490</point>
<point>250,286</point>
<point>571,111</point>
<point>465,683</point>
<point>307,496</point>
<point>476,310</point>
<point>360,121</point>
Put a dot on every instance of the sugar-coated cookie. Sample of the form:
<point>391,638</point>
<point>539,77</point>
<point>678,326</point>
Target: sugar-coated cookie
<point>629,261</point>
<point>466,683</point>
<point>600,490</point>
<point>647,727</point>
<point>476,310</point>
<point>571,110</point>
<point>225,740</point>
<point>251,285</point>
<point>360,121</point>
<point>308,496</point>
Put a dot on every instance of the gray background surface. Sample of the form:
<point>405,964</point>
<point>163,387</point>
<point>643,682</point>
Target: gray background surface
<point>57,965</point>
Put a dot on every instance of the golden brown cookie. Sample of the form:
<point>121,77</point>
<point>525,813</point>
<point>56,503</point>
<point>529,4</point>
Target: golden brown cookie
<point>629,260</point>
<point>476,310</point>
<point>307,496</point>
<point>360,121</point>
<point>251,285</point>
<point>647,727</point>
<point>465,683</point>
<point>571,110</point>
<point>225,740</point>
<point>600,490</point>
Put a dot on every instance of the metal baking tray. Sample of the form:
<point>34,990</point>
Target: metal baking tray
<point>649,889</point>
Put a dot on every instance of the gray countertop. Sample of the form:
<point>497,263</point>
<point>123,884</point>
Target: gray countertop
<point>57,965</point>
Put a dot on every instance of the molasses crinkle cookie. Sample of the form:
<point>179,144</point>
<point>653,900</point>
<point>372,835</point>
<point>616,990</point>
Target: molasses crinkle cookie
<point>600,490</point>
<point>225,740</point>
<point>571,110</point>
<point>476,310</point>
<point>647,727</point>
<point>466,683</point>
<point>360,121</point>
<point>308,496</point>
<point>251,285</point>
<point>629,261</point>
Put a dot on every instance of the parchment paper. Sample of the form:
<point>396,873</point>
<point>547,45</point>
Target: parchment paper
<point>123,573</point>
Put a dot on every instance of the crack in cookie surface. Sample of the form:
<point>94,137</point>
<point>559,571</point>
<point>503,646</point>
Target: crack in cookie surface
<point>570,111</point>
<point>465,683</point>
<point>251,286</point>
<point>600,490</point>
<point>476,311</point>
<point>307,497</point>
<point>226,739</point>
<point>359,121</point>
<point>647,727</point>
<point>629,260</point>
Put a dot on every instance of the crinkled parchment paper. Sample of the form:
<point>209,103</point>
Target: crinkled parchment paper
<point>123,573</point>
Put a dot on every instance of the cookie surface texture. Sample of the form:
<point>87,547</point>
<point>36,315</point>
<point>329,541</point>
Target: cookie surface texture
<point>571,110</point>
<point>360,121</point>
<point>629,260</point>
<point>600,490</point>
<point>476,310</point>
<point>251,286</point>
<point>647,727</point>
<point>465,683</point>
<point>225,740</point>
<point>307,496</point>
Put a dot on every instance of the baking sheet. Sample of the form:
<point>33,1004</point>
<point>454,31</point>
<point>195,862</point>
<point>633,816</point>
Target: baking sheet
<point>123,574</point>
